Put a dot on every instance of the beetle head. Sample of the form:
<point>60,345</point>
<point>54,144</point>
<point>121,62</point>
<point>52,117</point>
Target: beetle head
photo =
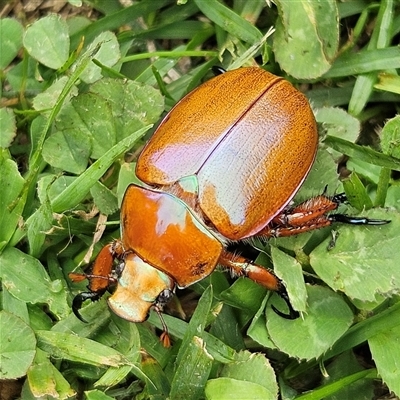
<point>139,288</point>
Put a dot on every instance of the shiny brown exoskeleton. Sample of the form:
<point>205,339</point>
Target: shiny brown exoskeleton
<point>222,166</point>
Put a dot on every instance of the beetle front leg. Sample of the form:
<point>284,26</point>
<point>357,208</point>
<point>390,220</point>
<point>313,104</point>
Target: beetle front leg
<point>240,266</point>
<point>80,298</point>
<point>100,278</point>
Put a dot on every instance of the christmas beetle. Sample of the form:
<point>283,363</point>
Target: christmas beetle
<point>223,166</point>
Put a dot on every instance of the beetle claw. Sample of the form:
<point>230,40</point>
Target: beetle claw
<point>346,219</point>
<point>293,314</point>
<point>80,298</point>
<point>217,70</point>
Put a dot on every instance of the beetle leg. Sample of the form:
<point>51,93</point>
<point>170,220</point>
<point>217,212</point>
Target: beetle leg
<point>240,266</point>
<point>80,298</point>
<point>312,214</point>
<point>163,298</point>
<point>100,277</point>
<point>347,219</point>
<point>217,70</point>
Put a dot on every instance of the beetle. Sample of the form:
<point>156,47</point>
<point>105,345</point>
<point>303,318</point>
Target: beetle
<point>222,167</point>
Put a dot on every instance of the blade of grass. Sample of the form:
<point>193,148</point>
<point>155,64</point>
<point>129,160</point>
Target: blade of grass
<point>365,61</point>
<point>118,19</point>
<point>331,388</point>
<point>362,153</point>
<point>36,158</point>
<point>79,188</point>
<point>229,21</point>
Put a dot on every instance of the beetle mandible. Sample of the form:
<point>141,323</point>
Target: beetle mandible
<point>222,166</point>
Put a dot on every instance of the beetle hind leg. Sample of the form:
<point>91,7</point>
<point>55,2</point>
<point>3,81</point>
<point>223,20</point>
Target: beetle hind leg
<point>240,266</point>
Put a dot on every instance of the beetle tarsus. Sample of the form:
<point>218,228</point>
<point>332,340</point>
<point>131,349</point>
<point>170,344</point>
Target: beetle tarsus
<point>80,298</point>
<point>164,337</point>
<point>293,314</point>
<point>338,198</point>
<point>217,70</point>
<point>346,219</point>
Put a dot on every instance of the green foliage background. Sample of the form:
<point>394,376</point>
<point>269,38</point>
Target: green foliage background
<point>79,99</point>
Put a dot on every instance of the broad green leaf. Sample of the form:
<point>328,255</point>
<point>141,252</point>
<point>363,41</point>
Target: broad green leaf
<point>229,21</point>
<point>193,353</point>
<point>255,368</point>
<point>47,41</point>
<point>50,186</point>
<point>306,37</point>
<point>244,294</point>
<point>67,150</point>
<point>327,319</point>
<point>108,55</point>
<point>258,327</point>
<point>97,314</point>
<point>45,380</point>
<point>88,117</point>
<point>390,144</point>
<point>11,183</point>
<point>125,178</point>
<point>8,127</point>
<point>337,122</point>
<point>104,199</point>
<point>364,330</point>
<point>356,193</point>
<point>289,271</point>
<point>97,395</point>
<point>11,40</point>
<point>14,306</point>
<point>192,372</point>
<point>26,279</point>
<point>234,389</point>
<point>393,197</point>
<point>133,104</point>
<point>367,171</point>
<point>390,137</point>
<point>385,349</point>
<point>38,224</point>
<point>38,319</point>
<point>79,188</point>
<point>23,75</point>
<point>48,98</point>
<point>17,346</point>
<point>323,173</point>
<point>178,328</point>
<point>75,3</point>
<point>74,348</point>
<point>226,326</point>
<point>364,260</point>
<point>94,122</point>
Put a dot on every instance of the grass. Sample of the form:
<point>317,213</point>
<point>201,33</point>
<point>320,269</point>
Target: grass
<point>79,99</point>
